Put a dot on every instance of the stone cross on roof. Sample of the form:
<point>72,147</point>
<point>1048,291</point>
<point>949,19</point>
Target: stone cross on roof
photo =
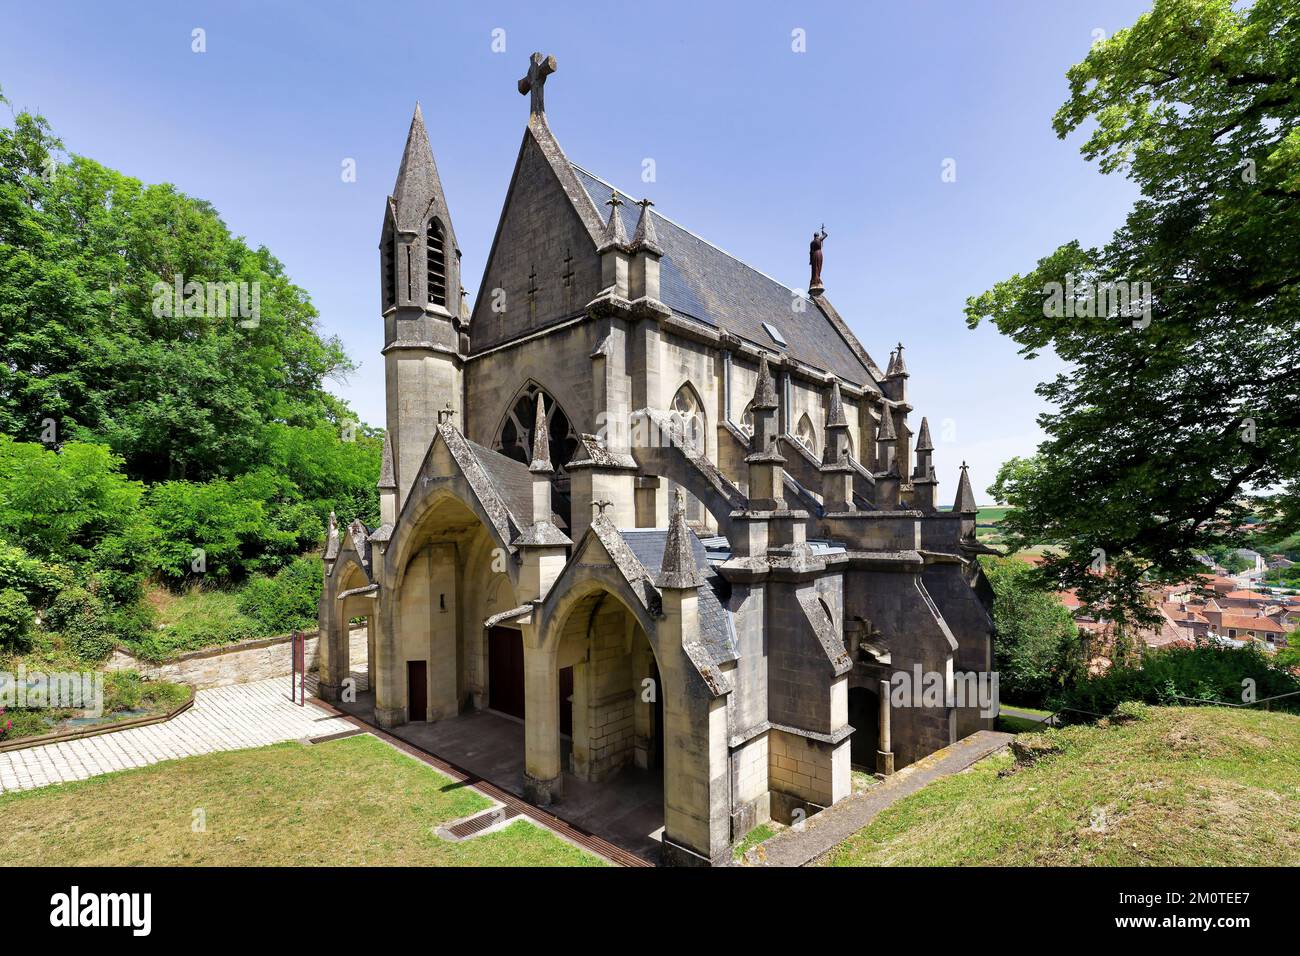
<point>539,68</point>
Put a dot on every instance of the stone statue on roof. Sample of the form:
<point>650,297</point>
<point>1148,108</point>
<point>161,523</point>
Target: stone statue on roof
<point>815,260</point>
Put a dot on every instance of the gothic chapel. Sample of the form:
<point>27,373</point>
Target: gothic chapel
<point>662,510</point>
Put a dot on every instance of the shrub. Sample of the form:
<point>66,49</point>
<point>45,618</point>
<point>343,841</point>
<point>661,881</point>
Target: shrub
<point>127,690</point>
<point>16,618</point>
<point>39,581</point>
<point>1130,711</point>
<point>1170,675</point>
<point>84,623</point>
<point>287,601</point>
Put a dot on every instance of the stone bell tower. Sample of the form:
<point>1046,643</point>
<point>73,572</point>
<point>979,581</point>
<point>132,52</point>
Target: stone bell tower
<point>425,321</point>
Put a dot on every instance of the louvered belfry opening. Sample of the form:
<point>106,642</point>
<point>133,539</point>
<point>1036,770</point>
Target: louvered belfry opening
<point>436,264</point>
<point>389,277</point>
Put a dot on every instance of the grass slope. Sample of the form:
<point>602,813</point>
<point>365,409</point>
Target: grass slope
<point>1185,787</point>
<point>354,801</point>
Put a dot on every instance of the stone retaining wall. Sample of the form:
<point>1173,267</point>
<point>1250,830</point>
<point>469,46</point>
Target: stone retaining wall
<point>236,663</point>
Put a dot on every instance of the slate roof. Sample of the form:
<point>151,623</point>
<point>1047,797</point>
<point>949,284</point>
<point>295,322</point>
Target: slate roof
<point>701,282</point>
<point>512,480</point>
<point>717,632</point>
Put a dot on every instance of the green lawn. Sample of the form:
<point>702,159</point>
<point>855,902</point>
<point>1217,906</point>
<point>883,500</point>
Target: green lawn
<point>354,801</point>
<point>1186,787</point>
<point>1017,725</point>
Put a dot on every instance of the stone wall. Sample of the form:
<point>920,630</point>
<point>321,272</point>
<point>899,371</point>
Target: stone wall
<point>236,663</point>
<point>811,770</point>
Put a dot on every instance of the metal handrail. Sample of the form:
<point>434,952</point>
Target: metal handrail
<point>1228,703</point>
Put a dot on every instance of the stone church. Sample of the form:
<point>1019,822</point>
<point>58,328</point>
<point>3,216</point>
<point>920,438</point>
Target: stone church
<point>659,507</point>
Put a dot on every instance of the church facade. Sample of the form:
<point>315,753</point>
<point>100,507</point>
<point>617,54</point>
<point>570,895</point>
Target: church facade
<point>663,509</point>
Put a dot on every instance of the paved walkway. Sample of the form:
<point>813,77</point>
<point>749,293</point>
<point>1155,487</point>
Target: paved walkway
<point>1024,714</point>
<point>835,824</point>
<point>222,718</point>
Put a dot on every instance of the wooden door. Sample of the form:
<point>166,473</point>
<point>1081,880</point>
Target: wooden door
<point>506,671</point>
<point>417,690</point>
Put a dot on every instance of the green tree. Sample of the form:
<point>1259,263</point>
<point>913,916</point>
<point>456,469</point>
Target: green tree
<point>88,342</point>
<point>65,506</point>
<point>1235,563</point>
<point>1037,647</point>
<point>1162,431</point>
<point>1289,656</point>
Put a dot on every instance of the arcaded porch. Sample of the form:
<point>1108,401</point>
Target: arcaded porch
<point>626,809</point>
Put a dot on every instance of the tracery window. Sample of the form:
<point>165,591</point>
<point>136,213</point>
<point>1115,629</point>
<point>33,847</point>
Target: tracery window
<point>689,413</point>
<point>515,440</point>
<point>747,419</point>
<point>806,435</point>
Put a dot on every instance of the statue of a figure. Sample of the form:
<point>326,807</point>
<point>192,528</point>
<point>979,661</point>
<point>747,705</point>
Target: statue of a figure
<point>815,258</point>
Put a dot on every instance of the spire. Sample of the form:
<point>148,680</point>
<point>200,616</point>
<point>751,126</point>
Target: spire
<point>417,177</point>
<point>615,232</point>
<point>387,478</point>
<point>897,368</point>
<point>889,369</point>
<point>965,503</point>
<point>645,236</point>
<point>923,442</point>
<point>541,441</point>
<point>835,414</point>
<point>765,389</point>
<point>886,430</point>
<point>678,568</point>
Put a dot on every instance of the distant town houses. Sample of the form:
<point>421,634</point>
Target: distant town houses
<point>1214,607</point>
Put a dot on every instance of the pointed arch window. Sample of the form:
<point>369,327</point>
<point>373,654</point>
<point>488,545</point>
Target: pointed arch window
<point>515,440</point>
<point>435,256</point>
<point>747,419</point>
<point>688,411</point>
<point>806,435</point>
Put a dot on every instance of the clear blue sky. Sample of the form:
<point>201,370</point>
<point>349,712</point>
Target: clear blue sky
<point>755,145</point>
